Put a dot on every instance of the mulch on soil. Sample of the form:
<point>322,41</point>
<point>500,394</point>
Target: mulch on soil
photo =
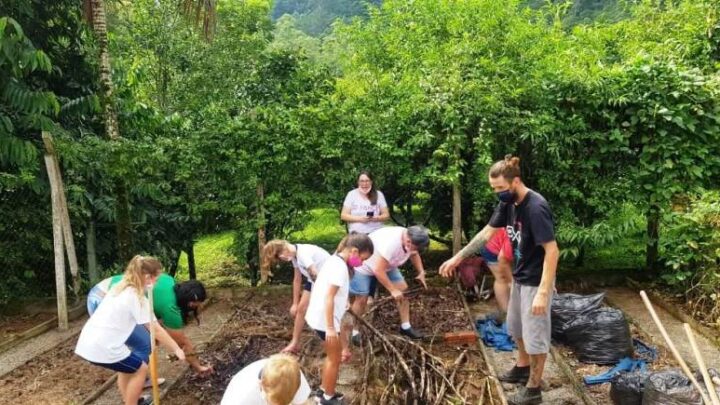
<point>55,377</point>
<point>13,325</point>
<point>262,326</point>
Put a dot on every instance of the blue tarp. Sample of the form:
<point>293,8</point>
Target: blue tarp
<point>495,335</point>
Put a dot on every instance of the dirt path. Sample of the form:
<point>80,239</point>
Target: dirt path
<point>631,304</point>
<point>557,390</point>
<point>212,319</point>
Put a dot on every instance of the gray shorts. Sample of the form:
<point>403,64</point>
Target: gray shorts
<point>522,324</point>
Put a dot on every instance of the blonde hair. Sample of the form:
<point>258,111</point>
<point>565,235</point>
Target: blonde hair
<point>135,271</point>
<point>271,252</point>
<point>281,379</point>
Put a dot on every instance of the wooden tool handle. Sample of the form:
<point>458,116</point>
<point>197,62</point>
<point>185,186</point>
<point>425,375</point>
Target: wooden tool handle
<point>673,349</point>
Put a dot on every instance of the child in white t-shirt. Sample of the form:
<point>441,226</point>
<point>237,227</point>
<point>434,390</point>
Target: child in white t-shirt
<point>306,260</point>
<point>364,208</point>
<point>103,340</point>
<point>328,302</point>
<point>277,380</point>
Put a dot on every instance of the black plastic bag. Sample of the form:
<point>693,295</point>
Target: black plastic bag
<point>627,388</point>
<point>600,337</point>
<point>670,387</point>
<point>567,307</point>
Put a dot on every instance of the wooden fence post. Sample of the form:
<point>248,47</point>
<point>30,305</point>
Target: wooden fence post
<point>64,213</point>
<point>57,245</point>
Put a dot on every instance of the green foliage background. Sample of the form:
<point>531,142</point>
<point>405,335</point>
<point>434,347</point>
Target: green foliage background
<point>612,107</point>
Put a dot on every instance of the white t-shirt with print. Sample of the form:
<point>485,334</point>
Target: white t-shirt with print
<point>309,255</point>
<point>387,243</point>
<point>334,273</point>
<point>244,388</point>
<point>360,206</point>
<point>103,337</point>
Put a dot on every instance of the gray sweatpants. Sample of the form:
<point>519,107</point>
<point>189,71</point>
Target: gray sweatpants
<point>522,324</point>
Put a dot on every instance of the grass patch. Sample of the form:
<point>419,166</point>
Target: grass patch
<point>215,264</point>
<point>324,229</point>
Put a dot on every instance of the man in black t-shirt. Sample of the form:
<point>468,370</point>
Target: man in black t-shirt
<point>527,218</point>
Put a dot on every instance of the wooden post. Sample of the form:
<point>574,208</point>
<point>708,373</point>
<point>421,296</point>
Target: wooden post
<point>57,245</point>
<point>64,214</point>
<point>264,273</point>
<point>457,217</point>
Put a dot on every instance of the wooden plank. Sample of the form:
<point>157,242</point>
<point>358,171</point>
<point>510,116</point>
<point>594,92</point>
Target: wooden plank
<point>64,214</point>
<point>58,246</point>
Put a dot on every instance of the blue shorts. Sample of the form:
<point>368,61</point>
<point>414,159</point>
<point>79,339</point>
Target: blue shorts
<point>306,284</point>
<point>490,257</point>
<point>129,365</point>
<point>320,333</point>
<point>364,285</point>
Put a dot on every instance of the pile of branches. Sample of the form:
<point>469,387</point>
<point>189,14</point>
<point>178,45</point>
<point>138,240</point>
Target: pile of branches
<point>413,375</point>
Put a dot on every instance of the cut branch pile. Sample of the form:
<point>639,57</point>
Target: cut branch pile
<point>413,374</point>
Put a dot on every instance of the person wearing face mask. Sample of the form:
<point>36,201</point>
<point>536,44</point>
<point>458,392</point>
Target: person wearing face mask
<point>276,380</point>
<point>109,337</point>
<point>394,246</point>
<point>365,209</point>
<point>528,221</point>
<point>328,303</point>
<point>307,261</point>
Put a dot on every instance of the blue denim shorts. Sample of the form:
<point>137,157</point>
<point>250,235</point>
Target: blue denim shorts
<point>365,285</point>
<point>128,365</point>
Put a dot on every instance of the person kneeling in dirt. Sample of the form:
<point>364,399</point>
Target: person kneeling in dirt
<point>306,260</point>
<point>276,380</point>
<point>528,220</point>
<point>173,303</point>
<point>328,303</point>
<point>496,255</point>
<point>107,338</point>
<point>393,247</point>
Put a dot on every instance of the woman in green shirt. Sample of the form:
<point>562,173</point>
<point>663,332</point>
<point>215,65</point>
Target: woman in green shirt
<point>173,304</point>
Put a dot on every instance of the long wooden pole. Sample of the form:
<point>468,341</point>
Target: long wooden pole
<point>64,214</point>
<point>57,246</point>
<point>701,363</point>
<point>673,349</point>
<point>153,351</point>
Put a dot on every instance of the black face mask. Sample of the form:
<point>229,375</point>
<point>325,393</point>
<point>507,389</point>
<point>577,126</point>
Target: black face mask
<point>507,196</point>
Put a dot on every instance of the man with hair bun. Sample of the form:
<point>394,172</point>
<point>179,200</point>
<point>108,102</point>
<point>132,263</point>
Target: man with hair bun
<point>528,221</point>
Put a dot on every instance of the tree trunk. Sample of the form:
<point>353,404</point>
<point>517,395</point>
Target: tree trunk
<point>264,273</point>
<point>457,217</point>
<point>123,222</point>
<point>409,217</point>
<point>91,253</point>
<point>653,231</point>
<point>190,250</point>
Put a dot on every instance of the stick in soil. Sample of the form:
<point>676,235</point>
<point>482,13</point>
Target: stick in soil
<point>393,349</point>
<point>454,368</point>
